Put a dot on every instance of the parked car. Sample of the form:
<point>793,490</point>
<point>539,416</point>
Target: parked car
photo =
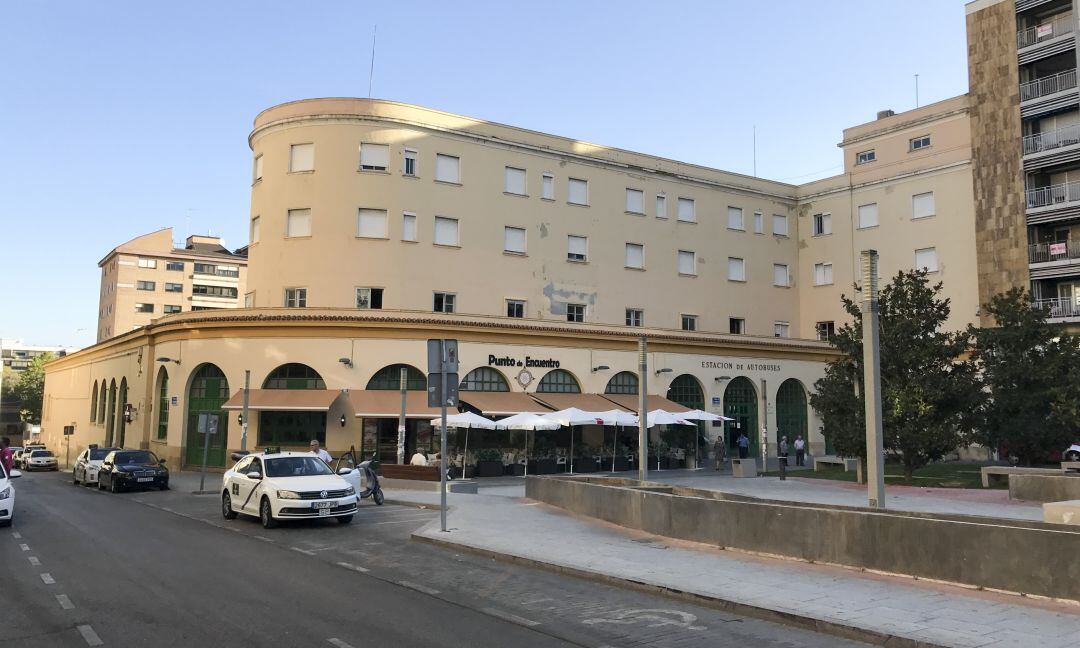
<point>21,458</point>
<point>87,465</point>
<point>1072,453</point>
<point>125,469</point>
<point>283,485</point>
<point>7,496</point>
<point>40,460</point>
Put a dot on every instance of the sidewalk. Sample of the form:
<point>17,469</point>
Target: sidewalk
<point>875,608</point>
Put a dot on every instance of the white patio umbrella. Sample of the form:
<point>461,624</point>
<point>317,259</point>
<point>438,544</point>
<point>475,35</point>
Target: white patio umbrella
<point>700,415</point>
<point>465,421</point>
<point>618,418</point>
<point>529,422</point>
<point>663,417</point>
<point>572,416</point>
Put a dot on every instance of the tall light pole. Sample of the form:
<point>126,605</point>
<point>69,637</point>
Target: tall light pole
<point>403,383</point>
<point>875,468</point>
<point>643,412</point>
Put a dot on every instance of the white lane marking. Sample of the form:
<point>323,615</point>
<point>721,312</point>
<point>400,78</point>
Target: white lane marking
<point>513,618</point>
<point>303,551</point>
<point>355,568</point>
<point>47,578</point>
<point>418,588</point>
<point>34,561</point>
<point>334,641</point>
<point>16,535</point>
<point>90,636</point>
<point>24,547</point>
<point>65,602</point>
<point>651,617</point>
<point>264,538</point>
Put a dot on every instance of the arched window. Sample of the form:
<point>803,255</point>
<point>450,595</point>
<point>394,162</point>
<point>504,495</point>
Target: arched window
<point>121,421</point>
<point>791,413</point>
<point>389,377</point>
<point>624,382</point>
<point>686,391</point>
<point>484,379</point>
<point>163,405</point>
<point>101,403</point>
<point>558,381</point>
<point>294,376</point>
<point>93,404</point>
<point>110,417</point>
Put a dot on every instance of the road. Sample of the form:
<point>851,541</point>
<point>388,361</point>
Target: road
<point>82,567</point>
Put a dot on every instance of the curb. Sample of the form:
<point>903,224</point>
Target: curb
<point>417,505</point>
<point>793,619</point>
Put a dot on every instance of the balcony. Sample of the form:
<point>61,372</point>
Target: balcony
<point>1059,309</point>
<point>1054,260</point>
<point>1048,94</point>
<point>1053,203</point>
<point>1052,147</point>
<point>1046,39</point>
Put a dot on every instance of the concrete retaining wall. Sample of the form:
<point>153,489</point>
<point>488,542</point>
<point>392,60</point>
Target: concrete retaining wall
<point>1044,488</point>
<point>1013,555</point>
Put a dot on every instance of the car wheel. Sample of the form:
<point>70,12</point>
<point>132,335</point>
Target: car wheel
<point>378,497</point>
<point>74,478</point>
<point>100,481</point>
<point>266,514</point>
<point>227,511</point>
<point>344,519</point>
<point>113,486</point>
<point>1072,456</point>
<point>164,486</point>
<point>6,523</point>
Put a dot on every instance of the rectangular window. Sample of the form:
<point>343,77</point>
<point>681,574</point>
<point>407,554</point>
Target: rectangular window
<point>867,216</point>
<point>144,308</point>
<point>736,269</point>
<point>447,168</point>
<point>214,291</point>
<point>302,157</point>
<point>922,205</point>
<point>249,300</point>
<point>515,308</point>
<point>686,210</point>
<point>514,240</point>
<point>175,266</point>
<point>577,192</point>
<point>547,186</point>
<point>825,331</point>
<point>147,263</point>
<point>218,270</point>
<point>822,224</point>
<point>687,262</point>
<point>374,157</point>
<point>926,258</point>
<point>635,256</point>
<point>298,223</point>
<point>822,274</point>
<point>736,325</point>
<point>577,248</point>
<point>759,223</point>
<point>258,168</point>
<point>635,201</point>
<point>296,298</point>
<point>781,277</point>
<point>920,142</point>
<point>174,287</point>
<point>779,225</point>
<point>409,164</point>
<point>689,322</point>
<point>865,157</point>
<point>446,231</point>
<point>635,317</point>
<point>145,285</point>
<point>254,237</point>
<point>735,218</point>
<point>169,309</point>
<point>514,181</point>
<point>371,223</point>
<point>444,302</point>
<point>661,206</point>
<point>408,226</point>
<point>781,329</point>
<point>369,298</point>
<point>575,312</point>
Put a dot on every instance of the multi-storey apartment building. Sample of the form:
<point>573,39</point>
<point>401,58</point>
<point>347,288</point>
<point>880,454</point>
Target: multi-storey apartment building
<point>147,278</point>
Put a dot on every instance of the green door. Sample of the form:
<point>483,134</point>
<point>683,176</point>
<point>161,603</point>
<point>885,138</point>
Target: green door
<point>209,391</point>
<point>686,391</point>
<point>791,413</point>
<point>740,403</point>
<point>121,421</point>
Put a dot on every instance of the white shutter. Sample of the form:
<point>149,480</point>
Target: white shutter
<point>635,255</point>
<point>736,269</point>
<point>828,274</point>
<point>578,192</point>
<point>447,168</point>
<point>826,224</point>
<point>515,181</point>
<point>302,157</point>
<point>258,167</point>
<point>635,201</point>
<point>577,247</point>
<point>298,222</point>
<point>779,225</point>
<point>661,206</point>
<point>514,240</point>
<point>922,205</point>
<point>408,227</point>
<point>374,157</point>
<point>255,229</point>
<point>734,218</point>
<point>687,262</point>
<point>446,231</point>
<point>547,187</point>
<point>759,223</point>
<point>868,216</point>
<point>926,258</point>
<point>371,223</point>
<point>686,210</point>
<point>780,274</point>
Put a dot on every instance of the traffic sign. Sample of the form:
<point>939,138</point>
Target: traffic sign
<point>435,360</point>
<point>435,396</point>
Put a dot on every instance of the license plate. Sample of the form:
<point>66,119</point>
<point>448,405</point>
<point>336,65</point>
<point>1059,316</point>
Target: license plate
<point>324,511</point>
<point>323,505</point>
<point>144,479</point>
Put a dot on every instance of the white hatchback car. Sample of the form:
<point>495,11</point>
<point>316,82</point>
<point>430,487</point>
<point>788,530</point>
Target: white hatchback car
<point>7,496</point>
<point>40,460</point>
<point>286,485</point>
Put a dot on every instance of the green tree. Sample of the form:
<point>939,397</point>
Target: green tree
<point>30,388</point>
<point>927,393</point>
<point>1030,370</point>
<point>8,379</point>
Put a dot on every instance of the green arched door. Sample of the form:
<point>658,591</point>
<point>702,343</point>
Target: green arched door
<point>208,392</point>
<point>791,420</point>
<point>740,403</point>
<point>686,391</point>
<point>121,420</point>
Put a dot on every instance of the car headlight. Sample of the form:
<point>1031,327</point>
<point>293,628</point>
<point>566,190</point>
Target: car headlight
<point>284,494</point>
<point>6,493</point>
<point>350,491</point>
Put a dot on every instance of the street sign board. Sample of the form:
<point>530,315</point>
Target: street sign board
<point>69,430</point>
<point>434,390</point>
<point>208,424</point>
<point>434,354</point>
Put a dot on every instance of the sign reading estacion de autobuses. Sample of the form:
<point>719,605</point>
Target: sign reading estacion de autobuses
<point>510,361</point>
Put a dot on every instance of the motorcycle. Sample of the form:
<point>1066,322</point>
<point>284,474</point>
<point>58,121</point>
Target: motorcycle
<point>361,476</point>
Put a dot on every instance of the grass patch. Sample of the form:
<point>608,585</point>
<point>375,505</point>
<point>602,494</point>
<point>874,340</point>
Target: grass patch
<point>939,475</point>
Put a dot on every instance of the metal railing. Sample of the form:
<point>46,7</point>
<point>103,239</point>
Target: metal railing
<point>1044,252</point>
<point>1050,140</point>
<point>1048,85</point>
<point>1060,307</point>
<point>1059,26</point>
<point>1053,195</point>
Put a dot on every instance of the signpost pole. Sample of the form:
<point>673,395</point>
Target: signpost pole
<point>244,425</point>
<point>208,430</point>
<point>764,428</point>
<point>403,378</point>
<point>442,452</point>
<point>643,412</point>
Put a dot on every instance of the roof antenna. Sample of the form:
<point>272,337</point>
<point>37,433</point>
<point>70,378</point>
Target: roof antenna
<point>916,90</point>
<point>371,71</point>
<point>755,150</point>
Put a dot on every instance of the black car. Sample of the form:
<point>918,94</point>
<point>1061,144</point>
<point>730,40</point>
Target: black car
<point>124,469</point>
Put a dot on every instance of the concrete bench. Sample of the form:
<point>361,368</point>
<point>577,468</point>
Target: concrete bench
<point>1070,466</point>
<point>1044,488</point>
<point>997,473</point>
<point>849,464</point>
<point>417,473</point>
<point>1062,512</point>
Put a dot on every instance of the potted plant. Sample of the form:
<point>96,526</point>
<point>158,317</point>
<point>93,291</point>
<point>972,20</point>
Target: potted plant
<point>585,461</point>
<point>488,462</point>
<point>621,461</point>
<point>544,463</point>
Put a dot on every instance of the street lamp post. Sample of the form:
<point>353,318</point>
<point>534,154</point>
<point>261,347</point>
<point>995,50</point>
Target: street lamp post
<point>643,424</point>
<point>875,468</point>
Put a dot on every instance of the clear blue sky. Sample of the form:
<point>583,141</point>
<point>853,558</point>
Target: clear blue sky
<point>118,118</point>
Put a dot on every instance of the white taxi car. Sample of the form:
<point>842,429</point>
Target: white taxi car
<point>279,485</point>
<point>88,464</point>
<point>40,460</point>
<point>7,496</point>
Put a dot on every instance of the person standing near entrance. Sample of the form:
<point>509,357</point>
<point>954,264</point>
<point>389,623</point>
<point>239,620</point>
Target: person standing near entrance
<point>782,451</point>
<point>744,445</point>
<point>719,450</point>
<point>320,453</point>
<point>800,451</point>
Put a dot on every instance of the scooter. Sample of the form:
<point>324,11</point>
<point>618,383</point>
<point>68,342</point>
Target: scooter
<point>362,473</point>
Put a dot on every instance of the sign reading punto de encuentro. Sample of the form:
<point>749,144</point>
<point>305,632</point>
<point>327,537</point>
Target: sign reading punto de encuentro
<point>510,361</point>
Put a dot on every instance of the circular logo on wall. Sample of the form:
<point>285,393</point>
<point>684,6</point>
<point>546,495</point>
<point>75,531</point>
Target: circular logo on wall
<point>524,378</point>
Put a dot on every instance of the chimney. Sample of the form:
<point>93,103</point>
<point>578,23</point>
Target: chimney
<point>882,114</point>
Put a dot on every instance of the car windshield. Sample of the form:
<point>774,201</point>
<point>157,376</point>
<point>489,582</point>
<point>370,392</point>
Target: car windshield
<point>98,454</point>
<point>296,467</point>
<point>136,457</point>
<point>41,453</point>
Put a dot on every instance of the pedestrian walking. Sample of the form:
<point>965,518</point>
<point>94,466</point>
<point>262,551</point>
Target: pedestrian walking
<point>719,451</point>
<point>800,451</point>
<point>744,445</point>
<point>782,456</point>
